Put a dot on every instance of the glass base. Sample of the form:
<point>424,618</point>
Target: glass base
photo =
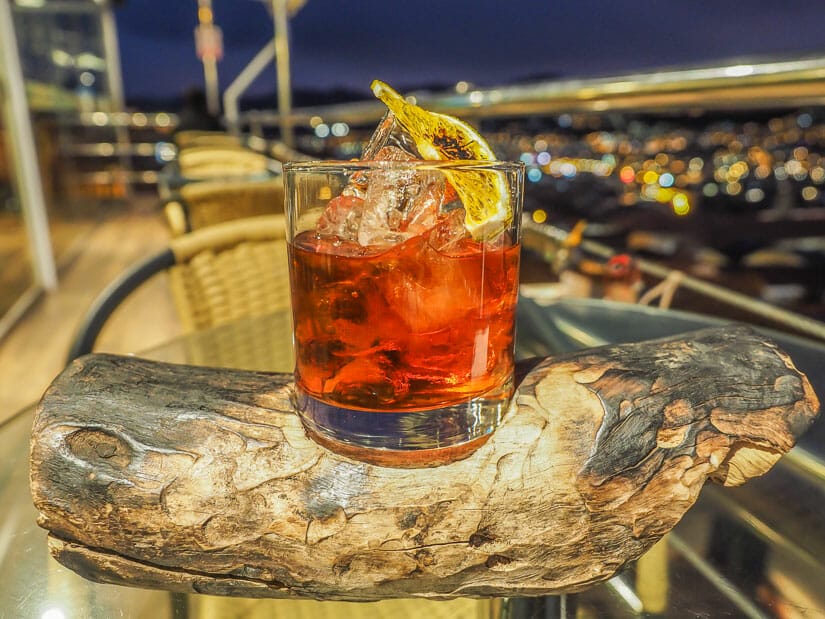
<point>408,439</point>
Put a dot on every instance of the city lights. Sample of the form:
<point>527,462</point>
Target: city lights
<point>627,174</point>
<point>568,169</point>
<point>86,79</point>
<point>165,152</point>
<point>681,204</point>
<point>722,165</point>
<point>339,129</point>
<point>733,189</point>
<point>755,194</point>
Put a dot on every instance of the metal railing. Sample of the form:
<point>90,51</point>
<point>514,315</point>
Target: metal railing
<point>778,315</point>
<point>744,84</point>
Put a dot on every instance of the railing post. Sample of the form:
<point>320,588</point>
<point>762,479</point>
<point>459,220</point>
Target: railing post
<point>27,169</point>
<point>280,15</point>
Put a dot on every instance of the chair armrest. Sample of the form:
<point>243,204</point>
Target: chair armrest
<point>111,297</point>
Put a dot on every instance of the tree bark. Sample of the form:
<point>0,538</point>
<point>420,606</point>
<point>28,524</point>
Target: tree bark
<point>203,480</point>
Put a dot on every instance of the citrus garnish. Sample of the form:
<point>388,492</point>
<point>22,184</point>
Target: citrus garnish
<point>441,137</point>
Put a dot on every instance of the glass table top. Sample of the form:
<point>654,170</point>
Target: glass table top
<point>754,551</point>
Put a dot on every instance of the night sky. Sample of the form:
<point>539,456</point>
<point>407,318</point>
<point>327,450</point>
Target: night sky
<point>486,42</point>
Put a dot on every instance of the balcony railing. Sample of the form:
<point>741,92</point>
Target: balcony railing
<point>737,85</point>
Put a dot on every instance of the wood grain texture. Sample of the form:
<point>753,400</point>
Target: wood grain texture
<point>200,479</point>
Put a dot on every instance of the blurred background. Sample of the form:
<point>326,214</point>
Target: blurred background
<point>692,134</point>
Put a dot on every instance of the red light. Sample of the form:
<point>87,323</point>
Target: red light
<point>627,174</point>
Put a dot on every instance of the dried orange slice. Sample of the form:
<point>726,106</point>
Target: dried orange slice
<point>440,137</point>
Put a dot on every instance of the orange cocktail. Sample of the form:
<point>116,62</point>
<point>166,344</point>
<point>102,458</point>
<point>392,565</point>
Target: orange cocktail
<point>408,327</point>
<point>404,275</point>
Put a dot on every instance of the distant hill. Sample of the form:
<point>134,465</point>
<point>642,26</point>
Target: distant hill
<point>315,97</point>
<point>300,98</point>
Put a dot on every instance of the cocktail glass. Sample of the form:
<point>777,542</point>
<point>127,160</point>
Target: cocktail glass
<point>404,318</point>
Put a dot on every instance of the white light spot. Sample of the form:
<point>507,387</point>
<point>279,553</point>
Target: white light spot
<point>739,70</point>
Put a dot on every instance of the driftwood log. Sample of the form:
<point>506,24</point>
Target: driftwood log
<point>202,480</point>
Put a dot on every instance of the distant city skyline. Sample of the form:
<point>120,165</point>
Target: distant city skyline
<point>486,42</point>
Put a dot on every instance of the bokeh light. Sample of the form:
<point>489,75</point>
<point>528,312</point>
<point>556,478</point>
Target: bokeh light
<point>339,129</point>
<point>627,174</point>
<point>754,194</point>
<point>681,204</point>
<point>710,190</point>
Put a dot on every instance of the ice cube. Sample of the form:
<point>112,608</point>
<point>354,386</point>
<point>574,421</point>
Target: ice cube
<point>399,204</point>
<point>341,218</point>
<point>449,232</point>
<point>429,290</point>
<point>358,181</point>
<point>393,153</point>
<point>379,137</point>
<point>385,207</point>
<point>389,132</point>
<point>362,380</point>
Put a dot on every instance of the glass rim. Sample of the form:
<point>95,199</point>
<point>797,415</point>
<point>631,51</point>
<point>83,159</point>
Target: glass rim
<point>332,165</point>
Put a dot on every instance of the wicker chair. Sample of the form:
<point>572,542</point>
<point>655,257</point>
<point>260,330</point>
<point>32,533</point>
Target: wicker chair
<point>217,275</point>
<point>193,137</point>
<point>204,162</point>
<point>211,202</point>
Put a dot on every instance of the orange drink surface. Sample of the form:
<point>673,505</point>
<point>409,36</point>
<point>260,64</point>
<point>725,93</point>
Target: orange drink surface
<point>406,327</point>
